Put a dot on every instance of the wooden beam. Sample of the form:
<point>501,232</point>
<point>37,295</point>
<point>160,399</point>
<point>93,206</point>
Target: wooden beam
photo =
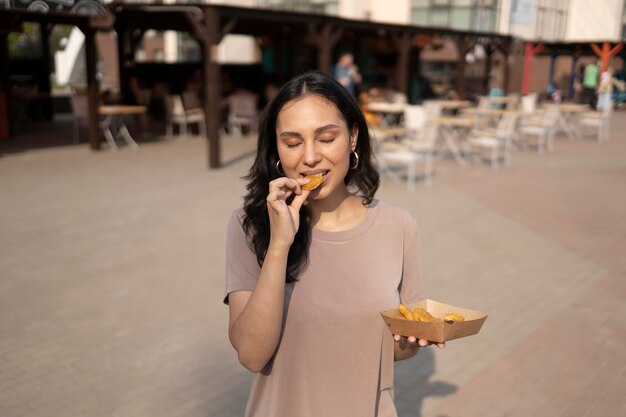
<point>10,22</point>
<point>104,22</point>
<point>226,29</point>
<point>197,26</point>
<point>212,93</point>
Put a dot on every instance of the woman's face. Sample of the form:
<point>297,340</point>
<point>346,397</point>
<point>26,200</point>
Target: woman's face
<point>313,138</point>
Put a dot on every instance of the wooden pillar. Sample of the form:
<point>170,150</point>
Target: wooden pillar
<point>416,81</point>
<point>122,57</point>
<point>488,66</point>
<point>462,47</point>
<point>212,85</point>
<point>325,49</point>
<point>402,43</point>
<point>44,84</point>
<point>5,93</point>
<point>93,90</point>
<point>128,39</point>
<point>506,51</point>
<point>324,40</point>
<point>280,58</point>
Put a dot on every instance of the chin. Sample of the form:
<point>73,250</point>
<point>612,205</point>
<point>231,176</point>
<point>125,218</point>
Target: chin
<point>318,194</point>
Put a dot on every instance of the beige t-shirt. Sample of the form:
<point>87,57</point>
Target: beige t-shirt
<point>335,356</point>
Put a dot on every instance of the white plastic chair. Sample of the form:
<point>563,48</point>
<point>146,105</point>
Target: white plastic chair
<point>500,143</point>
<point>513,102</point>
<point>529,109</point>
<point>432,108</point>
<point>414,118</point>
<point>178,115</point>
<point>191,101</point>
<point>529,103</point>
<point>542,129</point>
<point>417,147</point>
<point>242,113</point>
<point>600,122</point>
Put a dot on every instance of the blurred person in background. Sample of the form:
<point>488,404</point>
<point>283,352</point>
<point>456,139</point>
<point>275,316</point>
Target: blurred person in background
<point>590,84</point>
<point>605,88</point>
<point>347,73</point>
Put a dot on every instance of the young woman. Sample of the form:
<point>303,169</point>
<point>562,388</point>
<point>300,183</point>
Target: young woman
<point>308,272</point>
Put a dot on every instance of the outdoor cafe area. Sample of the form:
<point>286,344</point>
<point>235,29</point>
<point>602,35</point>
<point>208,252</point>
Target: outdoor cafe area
<point>410,139</point>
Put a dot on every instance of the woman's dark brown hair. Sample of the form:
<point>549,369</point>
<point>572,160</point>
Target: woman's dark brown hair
<point>364,179</point>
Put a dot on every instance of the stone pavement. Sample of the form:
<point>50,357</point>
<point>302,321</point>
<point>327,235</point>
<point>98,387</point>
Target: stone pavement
<point>112,272</point>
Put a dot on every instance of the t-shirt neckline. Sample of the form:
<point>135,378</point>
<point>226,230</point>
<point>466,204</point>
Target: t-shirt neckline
<point>349,234</point>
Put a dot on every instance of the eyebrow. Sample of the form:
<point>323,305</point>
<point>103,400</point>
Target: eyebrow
<point>320,129</point>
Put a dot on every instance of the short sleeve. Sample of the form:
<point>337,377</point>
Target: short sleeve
<point>242,268</point>
<point>411,289</point>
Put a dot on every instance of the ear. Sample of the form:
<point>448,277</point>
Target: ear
<point>354,136</point>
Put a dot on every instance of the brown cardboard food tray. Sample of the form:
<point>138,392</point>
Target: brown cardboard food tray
<point>440,331</point>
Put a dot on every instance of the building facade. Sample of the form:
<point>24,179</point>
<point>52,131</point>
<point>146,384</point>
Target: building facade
<point>534,21</point>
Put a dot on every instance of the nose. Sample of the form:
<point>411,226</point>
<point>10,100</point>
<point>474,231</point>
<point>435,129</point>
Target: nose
<point>311,154</point>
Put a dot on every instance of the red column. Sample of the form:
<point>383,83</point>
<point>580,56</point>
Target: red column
<point>606,53</point>
<point>529,52</point>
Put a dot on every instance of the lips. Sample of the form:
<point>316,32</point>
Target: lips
<point>316,172</point>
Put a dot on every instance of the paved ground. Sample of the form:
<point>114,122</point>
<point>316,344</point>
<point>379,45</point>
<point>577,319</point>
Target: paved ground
<point>111,278</point>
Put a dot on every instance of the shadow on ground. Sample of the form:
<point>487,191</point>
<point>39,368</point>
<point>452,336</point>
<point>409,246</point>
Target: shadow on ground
<point>414,383</point>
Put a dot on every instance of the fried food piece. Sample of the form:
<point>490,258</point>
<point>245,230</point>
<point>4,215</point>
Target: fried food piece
<point>314,182</point>
<point>454,317</point>
<point>421,314</point>
<point>405,312</point>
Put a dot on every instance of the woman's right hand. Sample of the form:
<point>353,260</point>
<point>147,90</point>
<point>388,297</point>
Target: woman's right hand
<point>284,218</point>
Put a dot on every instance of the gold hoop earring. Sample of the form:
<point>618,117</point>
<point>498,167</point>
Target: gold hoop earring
<point>356,160</point>
<point>278,169</point>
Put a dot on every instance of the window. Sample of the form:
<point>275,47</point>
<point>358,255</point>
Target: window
<point>478,15</point>
<point>460,18</point>
<point>439,17</point>
<point>551,19</point>
<point>330,7</point>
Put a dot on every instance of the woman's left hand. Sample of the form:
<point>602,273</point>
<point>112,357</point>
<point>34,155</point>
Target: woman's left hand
<point>407,347</point>
<point>412,340</point>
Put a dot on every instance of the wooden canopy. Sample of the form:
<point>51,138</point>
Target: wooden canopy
<point>210,23</point>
